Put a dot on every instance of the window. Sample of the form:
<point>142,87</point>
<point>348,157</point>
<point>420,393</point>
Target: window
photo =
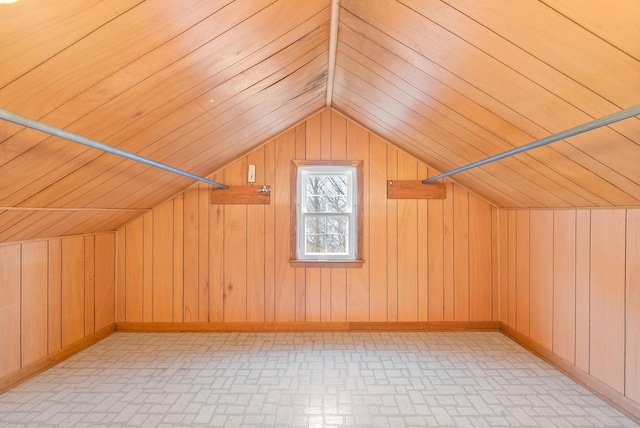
<point>326,213</point>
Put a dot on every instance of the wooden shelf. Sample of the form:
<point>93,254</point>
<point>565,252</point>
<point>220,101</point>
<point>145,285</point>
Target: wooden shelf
<point>241,195</point>
<point>415,189</point>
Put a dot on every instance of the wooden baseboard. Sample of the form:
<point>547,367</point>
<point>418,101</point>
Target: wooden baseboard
<point>608,394</point>
<point>16,378</point>
<point>301,327</point>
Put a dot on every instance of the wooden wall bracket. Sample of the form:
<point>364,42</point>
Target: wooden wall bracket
<point>415,189</point>
<point>242,195</point>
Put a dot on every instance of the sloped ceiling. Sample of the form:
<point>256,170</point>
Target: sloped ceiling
<point>197,83</point>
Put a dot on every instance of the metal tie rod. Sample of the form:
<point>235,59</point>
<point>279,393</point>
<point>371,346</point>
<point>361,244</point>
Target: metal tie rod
<point>603,121</point>
<point>52,130</point>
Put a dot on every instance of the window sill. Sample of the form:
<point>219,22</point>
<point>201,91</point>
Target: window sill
<point>326,263</point>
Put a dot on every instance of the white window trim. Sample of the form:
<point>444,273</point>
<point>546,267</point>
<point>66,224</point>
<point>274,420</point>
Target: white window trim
<point>301,211</point>
<point>356,261</point>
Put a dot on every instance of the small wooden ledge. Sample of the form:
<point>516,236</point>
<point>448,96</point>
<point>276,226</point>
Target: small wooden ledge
<point>242,195</point>
<point>415,189</point>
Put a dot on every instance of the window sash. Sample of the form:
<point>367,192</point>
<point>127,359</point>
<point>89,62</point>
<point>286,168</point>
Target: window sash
<point>349,211</point>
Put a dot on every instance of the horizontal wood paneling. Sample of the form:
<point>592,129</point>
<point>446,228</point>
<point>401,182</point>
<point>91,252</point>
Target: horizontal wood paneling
<point>49,304</point>
<point>234,256</point>
<point>583,283</point>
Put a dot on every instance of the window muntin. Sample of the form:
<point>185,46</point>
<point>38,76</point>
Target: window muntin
<point>326,212</point>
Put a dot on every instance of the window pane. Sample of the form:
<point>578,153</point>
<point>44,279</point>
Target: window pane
<point>316,244</point>
<point>336,204</point>
<point>316,204</point>
<point>337,225</point>
<point>315,225</point>
<point>337,244</point>
<point>334,185</point>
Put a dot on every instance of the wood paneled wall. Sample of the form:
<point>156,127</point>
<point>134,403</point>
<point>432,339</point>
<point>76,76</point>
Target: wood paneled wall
<point>53,294</point>
<point>425,260</point>
<point>570,281</point>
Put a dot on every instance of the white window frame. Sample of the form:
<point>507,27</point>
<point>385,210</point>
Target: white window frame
<point>302,212</point>
<point>300,170</point>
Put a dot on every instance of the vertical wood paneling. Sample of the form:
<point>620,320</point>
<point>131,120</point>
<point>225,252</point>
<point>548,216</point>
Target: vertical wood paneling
<point>217,293</point>
<point>480,298</point>
<point>72,290</point>
<point>358,294</point>
<point>178,258</point>
<point>162,294</point>
<point>435,235</point>
<point>134,271</point>
<point>10,308</point>
<point>105,277</point>
<point>312,277</point>
<point>392,239</point>
<point>522,272</point>
<point>338,275</point>
<point>541,275</point>
<point>89,285</point>
<point>495,263</point>
<point>256,246</point>
<point>55,295</point>
<point>35,260</point>
<point>407,245</point>
<point>378,230</point>
<point>583,287</point>
<point>423,255</point>
<point>285,275</point>
<point>607,297</point>
<point>269,237</point>
<point>564,284</point>
<point>513,268</point>
<point>632,325</point>
<point>191,258</point>
<point>235,266</point>
<point>449,256</point>
<point>204,202</point>
<point>301,286</point>
<point>147,267</point>
<point>461,251</point>
<point>413,249</point>
<point>503,254</point>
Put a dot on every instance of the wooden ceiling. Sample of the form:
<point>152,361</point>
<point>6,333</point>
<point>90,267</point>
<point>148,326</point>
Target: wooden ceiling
<point>197,83</point>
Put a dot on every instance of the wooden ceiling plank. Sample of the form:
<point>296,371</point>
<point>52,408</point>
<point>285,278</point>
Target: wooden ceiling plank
<point>82,177</point>
<point>382,108</point>
<point>31,33</point>
<point>32,226</point>
<point>617,24</point>
<point>103,119</point>
<point>94,121</point>
<point>437,116</point>
<point>273,123</point>
<point>528,62</point>
<point>101,54</point>
<point>182,148</point>
<point>554,39</point>
<point>418,151</point>
<point>439,73</point>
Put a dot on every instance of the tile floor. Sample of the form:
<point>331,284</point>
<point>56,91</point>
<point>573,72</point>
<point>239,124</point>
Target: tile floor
<point>307,380</point>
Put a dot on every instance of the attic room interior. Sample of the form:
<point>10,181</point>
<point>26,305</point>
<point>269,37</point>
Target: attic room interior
<point>212,212</point>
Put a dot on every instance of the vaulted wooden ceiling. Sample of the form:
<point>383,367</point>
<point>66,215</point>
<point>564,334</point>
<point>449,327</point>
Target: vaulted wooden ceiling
<point>197,83</point>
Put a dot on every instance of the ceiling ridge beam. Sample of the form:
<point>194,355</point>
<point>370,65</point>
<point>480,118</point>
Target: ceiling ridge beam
<point>333,48</point>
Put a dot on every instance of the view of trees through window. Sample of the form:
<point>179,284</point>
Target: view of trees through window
<point>326,225</point>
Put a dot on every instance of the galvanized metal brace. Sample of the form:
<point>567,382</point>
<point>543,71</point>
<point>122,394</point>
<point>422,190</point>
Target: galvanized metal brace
<point>52,130</point>
<point>603,121</point>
